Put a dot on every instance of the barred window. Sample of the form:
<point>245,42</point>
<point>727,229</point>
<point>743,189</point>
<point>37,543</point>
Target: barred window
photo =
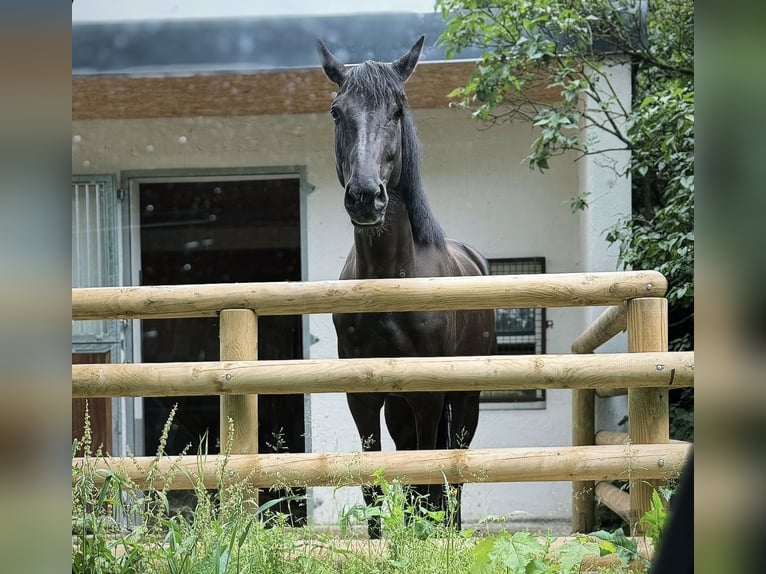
<point>94,249</point>
<point>519,331</point>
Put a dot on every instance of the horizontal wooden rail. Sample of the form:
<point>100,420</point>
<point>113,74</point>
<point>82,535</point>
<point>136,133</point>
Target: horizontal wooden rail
<point>372,295</point>
<point>618,501</point>
<point>611,322</point>
<point>639,462</point>
<point>604,437</point>
<point>608,393</point>
<point>389,375</point>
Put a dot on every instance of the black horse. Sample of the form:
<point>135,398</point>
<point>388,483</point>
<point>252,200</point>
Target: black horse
<point>377,158</point>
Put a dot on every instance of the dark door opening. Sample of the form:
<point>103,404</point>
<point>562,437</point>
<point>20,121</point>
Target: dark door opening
<point>221,232</point>
<point>99,411</point>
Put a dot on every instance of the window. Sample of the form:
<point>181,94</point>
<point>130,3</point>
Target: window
<point>95,263</point>
<point>94,252</point>
<point>519,332</point>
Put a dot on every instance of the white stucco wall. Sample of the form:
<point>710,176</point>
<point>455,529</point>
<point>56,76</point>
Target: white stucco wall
<point>609,200</point>
<point>481,193</point>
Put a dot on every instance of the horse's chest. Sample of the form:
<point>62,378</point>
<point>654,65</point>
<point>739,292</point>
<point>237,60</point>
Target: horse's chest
<point>394,334</point>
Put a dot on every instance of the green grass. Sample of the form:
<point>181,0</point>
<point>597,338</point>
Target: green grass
<point>119,528</point>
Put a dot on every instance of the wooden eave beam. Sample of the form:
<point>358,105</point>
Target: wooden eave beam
<point>232,94</point>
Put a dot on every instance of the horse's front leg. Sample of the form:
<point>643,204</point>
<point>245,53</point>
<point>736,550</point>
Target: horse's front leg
<point>462,418</point>
<point>426,411</point>
<point>365,408</point>
<point>463,407</point>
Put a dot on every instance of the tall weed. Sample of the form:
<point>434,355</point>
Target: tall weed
<point>118,527</point>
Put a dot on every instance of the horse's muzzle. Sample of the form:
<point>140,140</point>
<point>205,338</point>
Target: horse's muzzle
<point>366,206</point>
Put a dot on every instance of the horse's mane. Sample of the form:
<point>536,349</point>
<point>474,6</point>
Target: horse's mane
<point>378,82</point>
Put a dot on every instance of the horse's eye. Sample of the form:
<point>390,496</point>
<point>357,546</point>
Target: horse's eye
<point>335,115</point>
<point>397,114</point>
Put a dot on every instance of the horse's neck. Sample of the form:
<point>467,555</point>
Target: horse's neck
<point>387,253</point>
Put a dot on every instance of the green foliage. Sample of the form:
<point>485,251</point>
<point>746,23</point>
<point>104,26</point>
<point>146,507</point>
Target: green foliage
<point>661,235</point>
<point>573,552</point>
<point>96,533</point>
<point>567,46</point>
<point>682,415</point>
<point>616,542</point>
<point>519,552</point>
<point>527,554</point>
<point>118,527</point>
<point>536,46</point>
<point>654,519</point>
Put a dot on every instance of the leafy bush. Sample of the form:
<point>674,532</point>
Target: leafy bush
<point>118,527</point>
<point>534,47</point>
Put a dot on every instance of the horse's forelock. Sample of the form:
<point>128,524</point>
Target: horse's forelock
<point>376,82</point>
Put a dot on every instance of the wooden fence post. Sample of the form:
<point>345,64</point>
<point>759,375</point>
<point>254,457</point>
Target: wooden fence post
<point>238,330</point>
<point>603,328</point>
<point>647,407</point>
<point>583,432</point>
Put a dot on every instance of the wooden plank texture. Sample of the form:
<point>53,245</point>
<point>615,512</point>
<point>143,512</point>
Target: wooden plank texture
<point>230,94</point>
<point>422,467</point>
<point>239,342</point>
<point>371,295</point>
<point>648,410</point>
<point>377,375</point>
<point>611,322</point>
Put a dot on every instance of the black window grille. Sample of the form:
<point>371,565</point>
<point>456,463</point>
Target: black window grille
<point>519,331</point>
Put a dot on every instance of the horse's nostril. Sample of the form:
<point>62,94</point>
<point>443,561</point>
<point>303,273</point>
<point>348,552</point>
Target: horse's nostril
<point>380,197</point>
<point>375,197</point>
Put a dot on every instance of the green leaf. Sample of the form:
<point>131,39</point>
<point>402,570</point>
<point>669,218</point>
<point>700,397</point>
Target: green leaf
<point>654,519</point>
<point>223,562</point>
<point>607,547</point>
<point>422,529</point>
<point>481,552</point>
<point>616,543</point>
<point>538,566</point>
<point>572,552</point>
<point>109,476</point>
<point>517,551</point>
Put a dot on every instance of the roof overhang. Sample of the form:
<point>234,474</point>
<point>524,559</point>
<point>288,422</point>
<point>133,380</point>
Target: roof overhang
<point>256,66</point>
<point>227,94</point>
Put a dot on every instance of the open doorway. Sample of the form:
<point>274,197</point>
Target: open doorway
<point>220,230</point>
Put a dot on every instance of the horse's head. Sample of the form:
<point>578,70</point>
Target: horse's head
<point>368,111</point>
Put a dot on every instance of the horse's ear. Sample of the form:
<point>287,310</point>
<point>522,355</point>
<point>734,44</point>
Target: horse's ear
<point>331,65</point>
<point>404,65</point>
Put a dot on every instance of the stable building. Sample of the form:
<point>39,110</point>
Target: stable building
<point>202,152</point>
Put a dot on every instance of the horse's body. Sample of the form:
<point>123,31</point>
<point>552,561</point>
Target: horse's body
<point>397,236</point>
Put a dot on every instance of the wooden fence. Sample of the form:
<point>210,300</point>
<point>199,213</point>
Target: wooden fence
<point>634,301</point>
<point>645,319</point>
